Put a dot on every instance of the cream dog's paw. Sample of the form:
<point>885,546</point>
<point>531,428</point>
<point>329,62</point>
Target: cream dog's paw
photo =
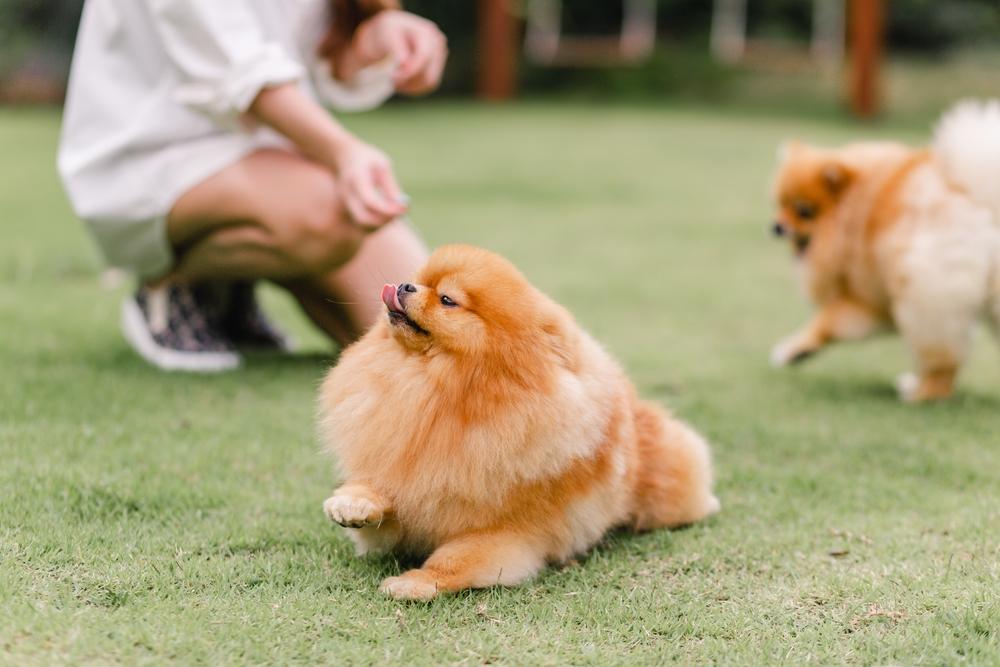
<point>409,587</point>
<point>789,351</point>
<point>908,386</point>
<point>352,511</point>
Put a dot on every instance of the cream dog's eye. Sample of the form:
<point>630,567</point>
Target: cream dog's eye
<point>447,301</point>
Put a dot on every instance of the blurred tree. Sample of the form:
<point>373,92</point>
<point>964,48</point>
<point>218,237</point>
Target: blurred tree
<point>36,42</point>
<point>50,24</point>
<point>936,25</point>
<point>37,35</point>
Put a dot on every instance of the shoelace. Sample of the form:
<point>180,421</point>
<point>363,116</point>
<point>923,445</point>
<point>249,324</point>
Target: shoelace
<point>158,309</point>
<point>158,304</point>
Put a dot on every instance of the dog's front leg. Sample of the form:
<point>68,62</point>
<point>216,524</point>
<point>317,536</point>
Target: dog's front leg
<point>839,320</point>
<point>366,515</point>
<point>478,560</point>
<point>356,505</point>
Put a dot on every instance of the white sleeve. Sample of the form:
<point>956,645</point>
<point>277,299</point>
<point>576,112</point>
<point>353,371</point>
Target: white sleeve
<point>368,89</point>
<point>220,55</point>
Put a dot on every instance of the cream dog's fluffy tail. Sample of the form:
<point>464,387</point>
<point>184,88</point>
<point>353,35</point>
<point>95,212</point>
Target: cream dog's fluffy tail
<point>967,145</point>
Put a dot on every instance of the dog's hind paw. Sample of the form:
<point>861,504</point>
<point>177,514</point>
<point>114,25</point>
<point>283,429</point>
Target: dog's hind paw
<point>907,386</point>
<point>409,587</point>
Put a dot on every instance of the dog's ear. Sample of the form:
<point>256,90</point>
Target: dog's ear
<point>562,337</point>
<point>836,177</point>
<point>787,148</point>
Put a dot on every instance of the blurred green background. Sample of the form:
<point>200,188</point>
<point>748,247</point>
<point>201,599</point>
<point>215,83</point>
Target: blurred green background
<point>151,518</point>
<point>937,50</point>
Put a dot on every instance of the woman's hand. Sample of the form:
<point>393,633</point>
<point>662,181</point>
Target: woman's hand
<point>371,194</point>
<point>415,44</point>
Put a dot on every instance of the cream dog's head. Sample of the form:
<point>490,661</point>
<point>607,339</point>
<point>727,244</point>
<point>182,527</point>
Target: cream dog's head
<point>808,187</point>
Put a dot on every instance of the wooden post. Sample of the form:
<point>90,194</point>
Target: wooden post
<point>497,50</point>
<point>867,20</point>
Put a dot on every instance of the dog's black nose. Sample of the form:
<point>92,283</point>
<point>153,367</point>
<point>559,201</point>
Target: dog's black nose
<point>407,287</point>
<point>778,229</point>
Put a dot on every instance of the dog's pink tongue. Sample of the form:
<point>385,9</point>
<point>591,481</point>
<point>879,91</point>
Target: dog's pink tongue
<point>390,299</point>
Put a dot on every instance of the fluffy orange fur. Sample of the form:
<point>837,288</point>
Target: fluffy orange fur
<point>892,237</point>
<point>488,431</point>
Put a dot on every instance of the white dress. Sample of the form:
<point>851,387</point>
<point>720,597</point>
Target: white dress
<point>156,104</point>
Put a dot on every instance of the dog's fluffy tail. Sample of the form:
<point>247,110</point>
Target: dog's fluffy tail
<point>967,145</point>
<point>674,486</point>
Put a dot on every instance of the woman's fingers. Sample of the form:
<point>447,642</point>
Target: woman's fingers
<point>415,45</point>
<point>357,212</point>
<point>385,180</point>
<point>371,194</point>
<point>375,199</point>
<point>420,49</point>
<point>399,50</point>
<point>367,205</point>
<point>421,72</point>
<point>407,63</point>
<point>436,68</point>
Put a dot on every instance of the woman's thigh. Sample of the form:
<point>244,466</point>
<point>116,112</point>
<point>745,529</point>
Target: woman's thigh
<point>242,193</point>
<point>272,215</point>
<point>279,199</point>
<point>393,254</point>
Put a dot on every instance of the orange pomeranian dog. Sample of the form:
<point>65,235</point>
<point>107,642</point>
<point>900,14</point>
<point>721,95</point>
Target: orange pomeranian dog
<point>894,237</point>
<point>477,423</point>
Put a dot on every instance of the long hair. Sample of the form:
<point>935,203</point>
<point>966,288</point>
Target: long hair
<point>347,16</point>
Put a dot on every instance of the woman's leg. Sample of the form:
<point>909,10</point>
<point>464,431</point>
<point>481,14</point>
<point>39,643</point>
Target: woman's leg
<point>271,215</point>
<point>277,216</point>
<point>393,254</point>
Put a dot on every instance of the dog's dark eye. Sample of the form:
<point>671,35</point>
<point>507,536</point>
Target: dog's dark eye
<point>805,210</point>
<point>447,301</point>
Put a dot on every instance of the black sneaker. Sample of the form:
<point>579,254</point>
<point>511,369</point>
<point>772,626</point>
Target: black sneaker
<point>245,324</point>
<point>169,328</point>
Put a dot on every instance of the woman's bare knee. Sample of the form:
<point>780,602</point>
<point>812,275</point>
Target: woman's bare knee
<point>313,230</point>
<point>290,212</point>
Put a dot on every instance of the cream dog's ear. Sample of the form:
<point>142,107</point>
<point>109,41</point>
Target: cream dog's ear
<point>787,148</point>
<point>836,177</point>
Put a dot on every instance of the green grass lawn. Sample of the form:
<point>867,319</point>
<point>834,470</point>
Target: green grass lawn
<point>147,517</point>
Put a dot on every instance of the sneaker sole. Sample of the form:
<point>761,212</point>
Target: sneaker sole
<point>138,336</point>
<point>289,346</point>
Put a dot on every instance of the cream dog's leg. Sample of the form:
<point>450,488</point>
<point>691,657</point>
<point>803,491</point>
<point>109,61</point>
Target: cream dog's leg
<point>945,288</point>
<point>939,342</point>
<point>945,281</point>
<point>840,320</point>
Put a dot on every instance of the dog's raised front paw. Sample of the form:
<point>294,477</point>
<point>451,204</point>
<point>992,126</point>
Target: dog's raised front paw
<point>409,587</point>
<point>352,511</point>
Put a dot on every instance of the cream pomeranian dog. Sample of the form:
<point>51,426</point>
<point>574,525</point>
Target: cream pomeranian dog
<point>891,237</point>
<point>479,425</point>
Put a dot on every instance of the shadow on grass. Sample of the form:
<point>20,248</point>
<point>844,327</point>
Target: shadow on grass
<point>591,565</point>
<point>121,359</point>
<point>259,359</point>
<point>851,388</point>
